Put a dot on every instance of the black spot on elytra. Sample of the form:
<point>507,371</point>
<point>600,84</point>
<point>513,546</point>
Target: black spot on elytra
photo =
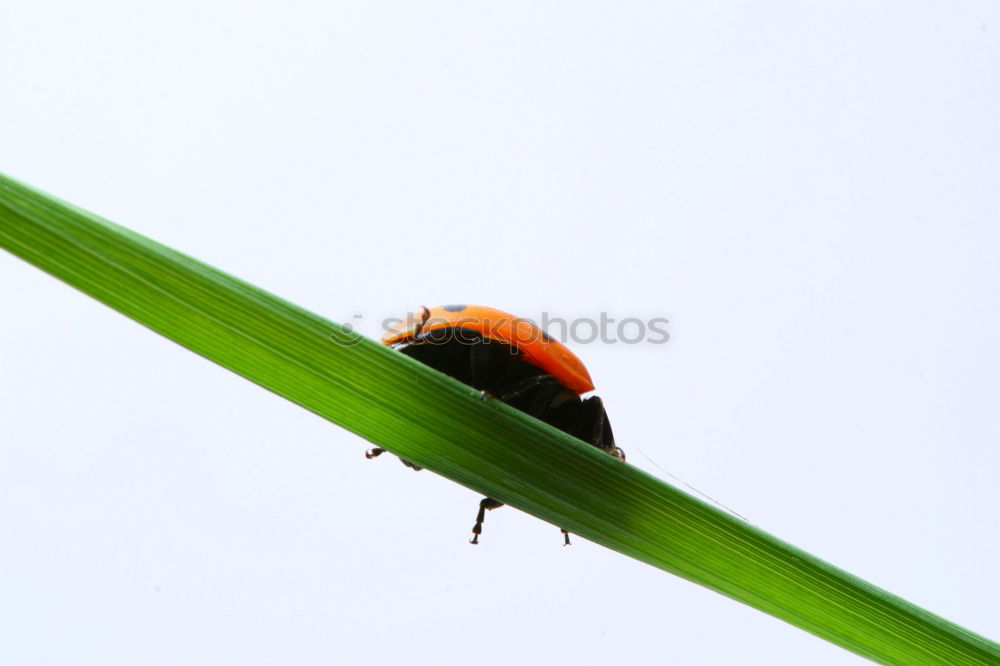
<point>453,308</point>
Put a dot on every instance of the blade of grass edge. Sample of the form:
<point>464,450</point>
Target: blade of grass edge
<point>486,446</point>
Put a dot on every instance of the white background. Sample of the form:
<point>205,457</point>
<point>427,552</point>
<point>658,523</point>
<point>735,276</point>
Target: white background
<point>808,191</point>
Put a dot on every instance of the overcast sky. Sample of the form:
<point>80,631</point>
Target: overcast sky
<point>808,192</point>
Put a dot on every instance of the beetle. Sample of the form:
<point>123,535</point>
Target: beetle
<point>513,360</point>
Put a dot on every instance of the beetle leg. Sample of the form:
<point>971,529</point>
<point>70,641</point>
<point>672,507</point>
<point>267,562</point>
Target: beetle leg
<point>486,504</point>
<point>376,452</point>
<point>544,398</point>
<point>566,536</point>
<point>521,387</point>
<point>596,429</point>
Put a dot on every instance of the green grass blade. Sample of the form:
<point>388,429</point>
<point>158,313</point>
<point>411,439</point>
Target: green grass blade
<point>438,423</point>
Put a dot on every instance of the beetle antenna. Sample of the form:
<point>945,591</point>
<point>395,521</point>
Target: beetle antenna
<point>690,487</point>
<point>425,314</point>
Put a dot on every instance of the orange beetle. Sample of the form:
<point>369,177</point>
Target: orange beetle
<point>513,360</point>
